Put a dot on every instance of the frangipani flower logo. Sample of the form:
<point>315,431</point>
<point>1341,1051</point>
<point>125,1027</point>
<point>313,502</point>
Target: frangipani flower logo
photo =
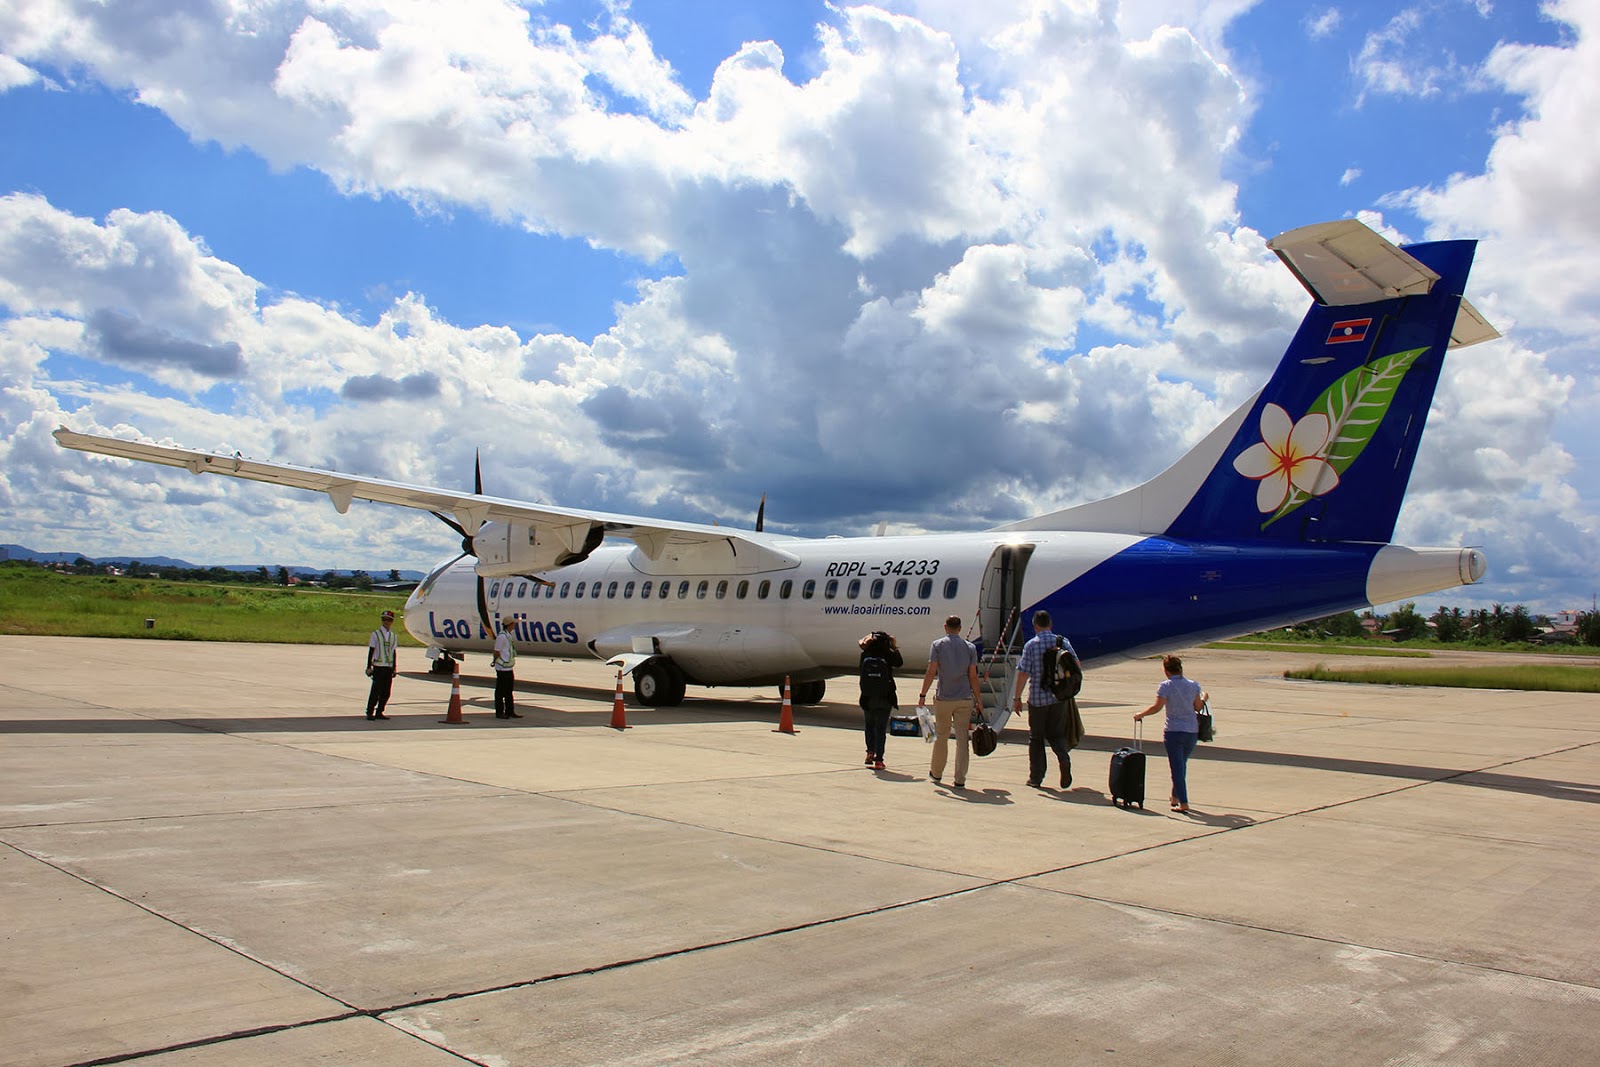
<point>1296,461</point>
<point>1289,456</point>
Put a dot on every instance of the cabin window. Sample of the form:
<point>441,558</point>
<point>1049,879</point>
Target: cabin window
<point>645,590</point>
<point>950,587</point>
<point>566,587</point>
<point>900,586</point>
<point>722,590</point>
<point>627,591</point>
<point>666,587</point>
<point>494,590</point>
<point>743,590</point>
<point>925,589</point>
<point>763,589</point>
<point>831,590</point>
<point>577,591</point>
<point>683,590</point>
<point>876,592</point>
<point>701,590</point>
<point>611,591</point>
<point>785,589</point>
<point>522,590</point>
<point>809,589</point>
<point>853,590</point>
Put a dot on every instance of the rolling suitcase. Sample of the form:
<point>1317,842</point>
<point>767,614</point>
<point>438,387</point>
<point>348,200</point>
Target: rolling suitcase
<point>1127,771</point>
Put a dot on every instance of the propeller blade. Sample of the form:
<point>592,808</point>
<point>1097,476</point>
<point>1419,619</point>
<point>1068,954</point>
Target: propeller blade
<point>448,521</point>
<point>483,607</point>
<point>761,514</point>
<point>477,472</point>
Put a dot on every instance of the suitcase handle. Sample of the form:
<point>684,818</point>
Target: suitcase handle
<point>1138,735</point>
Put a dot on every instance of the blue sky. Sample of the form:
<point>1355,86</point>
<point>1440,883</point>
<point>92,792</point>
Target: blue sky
<point>664,256</point>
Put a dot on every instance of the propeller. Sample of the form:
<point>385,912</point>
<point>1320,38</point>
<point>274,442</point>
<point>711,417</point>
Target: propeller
<point>467,546</point>
<point>761,514</point>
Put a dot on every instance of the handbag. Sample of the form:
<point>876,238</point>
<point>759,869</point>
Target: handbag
<point>1208,730</point>
<point>984,738</point>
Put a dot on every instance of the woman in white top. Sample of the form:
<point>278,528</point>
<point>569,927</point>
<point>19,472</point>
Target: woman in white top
<point>1182,698</point>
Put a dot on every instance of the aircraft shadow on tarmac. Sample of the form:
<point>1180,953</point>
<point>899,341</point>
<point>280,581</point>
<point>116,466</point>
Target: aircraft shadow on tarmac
<point>411,713</point>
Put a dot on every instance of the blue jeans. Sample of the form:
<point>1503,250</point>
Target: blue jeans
<point>1179,747</point>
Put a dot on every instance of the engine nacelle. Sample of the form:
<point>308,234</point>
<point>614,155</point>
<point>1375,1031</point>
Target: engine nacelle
<point>515,548</point>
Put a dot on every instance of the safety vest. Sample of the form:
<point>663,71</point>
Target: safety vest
<point>382,644</point>
<point>505,653</point>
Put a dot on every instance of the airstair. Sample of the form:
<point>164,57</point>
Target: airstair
<point>997,676</point>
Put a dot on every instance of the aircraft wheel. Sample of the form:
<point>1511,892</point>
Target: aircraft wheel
<point>808,693</point>
<point>442,665</point>
<point>679,686</point>
<point>659,683</point>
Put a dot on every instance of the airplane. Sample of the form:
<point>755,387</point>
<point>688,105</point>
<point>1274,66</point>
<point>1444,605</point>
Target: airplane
<point>1282,513</point>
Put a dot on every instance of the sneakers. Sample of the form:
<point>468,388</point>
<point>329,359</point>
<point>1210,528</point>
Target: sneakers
<point>1032,784</point>
<point>877,765</point>
<point>960,785</point>
<point>380,715</point>
<point>369,716</point>
<point>869,759</point>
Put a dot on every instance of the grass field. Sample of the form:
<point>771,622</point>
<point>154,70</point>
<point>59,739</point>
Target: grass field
<point>38,601</point>
<point>1306,646</point>
<point>1548,677</point>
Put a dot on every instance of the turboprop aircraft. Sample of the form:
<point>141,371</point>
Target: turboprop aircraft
<point>1282,513</point>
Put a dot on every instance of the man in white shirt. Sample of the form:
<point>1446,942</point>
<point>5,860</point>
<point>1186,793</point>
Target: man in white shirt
<point>505,678</point>
<point>380,665</point>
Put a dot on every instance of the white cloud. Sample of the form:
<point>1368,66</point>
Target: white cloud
<point>1399,60</point>
<point>1350,176</point>
<point>14,74</point>
<point>1324,24</point>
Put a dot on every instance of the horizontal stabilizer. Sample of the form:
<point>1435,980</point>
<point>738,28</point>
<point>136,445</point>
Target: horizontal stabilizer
<point>1470,328</point>
<point>1343,263</point>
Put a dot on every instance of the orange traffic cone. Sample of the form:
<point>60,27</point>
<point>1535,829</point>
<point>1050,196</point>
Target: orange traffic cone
<point>786,716</point>
<point>619,714</point>
<point>453,716</point>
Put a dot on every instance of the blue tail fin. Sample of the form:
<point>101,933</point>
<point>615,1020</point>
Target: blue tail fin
<point>1326,449</point>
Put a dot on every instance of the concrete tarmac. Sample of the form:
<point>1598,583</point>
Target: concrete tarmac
<point>210,857</point>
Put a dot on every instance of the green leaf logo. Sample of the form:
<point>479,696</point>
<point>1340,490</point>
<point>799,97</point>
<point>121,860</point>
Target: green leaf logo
<point>1305,459</point>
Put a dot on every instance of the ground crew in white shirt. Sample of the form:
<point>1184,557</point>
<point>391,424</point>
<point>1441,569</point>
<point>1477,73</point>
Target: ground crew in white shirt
<point>380,665</point>
<point>505,678</point>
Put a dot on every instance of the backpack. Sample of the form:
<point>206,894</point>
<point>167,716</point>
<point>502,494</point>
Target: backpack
<point>877,679</point>
<point>1061,673</point>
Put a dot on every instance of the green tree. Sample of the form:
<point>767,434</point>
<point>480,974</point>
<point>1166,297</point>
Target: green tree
<point>1589,627</point>
<point>394,574</point>
<point>1518,625</point>
<point>1449,625</point>
<point>1406,623</point>
<point>283,575</point>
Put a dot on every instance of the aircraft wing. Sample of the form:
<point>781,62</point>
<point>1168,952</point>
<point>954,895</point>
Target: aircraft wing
<point>682,542</point>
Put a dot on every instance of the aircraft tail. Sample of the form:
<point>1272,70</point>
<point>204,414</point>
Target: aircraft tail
<point>1324,451</point>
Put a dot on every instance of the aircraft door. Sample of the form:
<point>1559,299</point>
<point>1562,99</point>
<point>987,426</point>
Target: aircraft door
<point>1001,596</point>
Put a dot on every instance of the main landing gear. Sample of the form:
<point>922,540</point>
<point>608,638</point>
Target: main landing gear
<point>659,683</point>
<point>804,694</point>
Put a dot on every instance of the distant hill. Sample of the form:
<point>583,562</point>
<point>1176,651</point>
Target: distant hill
<point>23,552</point>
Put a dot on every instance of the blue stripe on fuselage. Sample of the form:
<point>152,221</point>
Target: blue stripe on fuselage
<point>1134,602</point>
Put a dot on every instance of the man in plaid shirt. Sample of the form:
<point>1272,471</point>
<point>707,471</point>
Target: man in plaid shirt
<point>1047,716</point>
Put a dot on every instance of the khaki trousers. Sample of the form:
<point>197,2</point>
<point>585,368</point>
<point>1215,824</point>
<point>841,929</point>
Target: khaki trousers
<point>944,713</point>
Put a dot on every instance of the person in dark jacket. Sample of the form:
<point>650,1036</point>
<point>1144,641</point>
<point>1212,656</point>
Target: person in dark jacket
<point>880,657</point>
